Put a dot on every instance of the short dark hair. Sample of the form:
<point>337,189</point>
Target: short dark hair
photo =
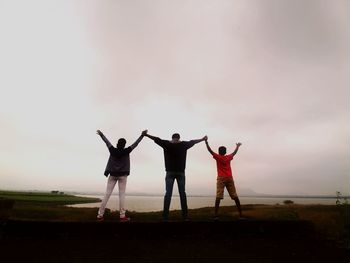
<point>175,136</point>
<point>222,150</point>
<point>121,143</point>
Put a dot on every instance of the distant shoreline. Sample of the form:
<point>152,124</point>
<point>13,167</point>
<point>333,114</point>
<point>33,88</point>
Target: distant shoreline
<point>213,196</point>
<point>189,195</point>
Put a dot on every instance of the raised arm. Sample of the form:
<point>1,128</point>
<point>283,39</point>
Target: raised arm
<point>150,136</point>
<point>199,140</point>
<point>237,147</point>
<point>109,145</point>
<point>139,139</point>
<point>208,147</point>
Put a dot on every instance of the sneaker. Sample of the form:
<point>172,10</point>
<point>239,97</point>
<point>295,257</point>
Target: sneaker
<point>124,219</point>
<point>100,218</point>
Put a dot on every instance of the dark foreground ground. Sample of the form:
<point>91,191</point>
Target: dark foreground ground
<point>235,241</point>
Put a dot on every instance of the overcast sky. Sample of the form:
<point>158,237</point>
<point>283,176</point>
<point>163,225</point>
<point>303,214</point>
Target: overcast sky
<point>271,74</point>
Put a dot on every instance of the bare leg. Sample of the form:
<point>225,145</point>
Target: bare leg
<point>217,204</point>
<point>238,204</point>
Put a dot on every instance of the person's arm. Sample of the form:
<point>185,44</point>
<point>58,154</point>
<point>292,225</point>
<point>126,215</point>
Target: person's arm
<point>109,145</point>
<point>151,137</point>
<point>157,140</point>
<point>208,147</point>
<point>199,140</point>
<point>237,147</point>
<point>134,145</point>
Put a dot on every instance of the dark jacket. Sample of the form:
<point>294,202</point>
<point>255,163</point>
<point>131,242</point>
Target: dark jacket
<point>174,154</point>
<point>119,162</point>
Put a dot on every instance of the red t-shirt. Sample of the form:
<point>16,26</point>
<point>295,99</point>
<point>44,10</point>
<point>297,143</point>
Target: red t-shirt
<point>223,164</point>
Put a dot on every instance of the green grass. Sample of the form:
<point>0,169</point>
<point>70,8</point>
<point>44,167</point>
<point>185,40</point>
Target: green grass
<point>45,198</point>
<point>330,221</point>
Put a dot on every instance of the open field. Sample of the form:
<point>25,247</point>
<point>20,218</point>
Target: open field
<point>47,198</point>
<point>270,233</point>
<point>330,221</point>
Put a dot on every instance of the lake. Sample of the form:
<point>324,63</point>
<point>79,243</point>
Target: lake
<point>155,203</point>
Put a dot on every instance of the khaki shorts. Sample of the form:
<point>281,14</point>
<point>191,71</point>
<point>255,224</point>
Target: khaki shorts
<point>221,183</point>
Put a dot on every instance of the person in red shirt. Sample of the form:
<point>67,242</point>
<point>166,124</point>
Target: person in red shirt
<point>224,179</point>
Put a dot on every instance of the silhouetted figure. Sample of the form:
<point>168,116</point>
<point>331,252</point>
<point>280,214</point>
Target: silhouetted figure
<point>224,179</point>
<point>175,152</point>
<point>117,170</point>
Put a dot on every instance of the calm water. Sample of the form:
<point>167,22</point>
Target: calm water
<point>155,203</point>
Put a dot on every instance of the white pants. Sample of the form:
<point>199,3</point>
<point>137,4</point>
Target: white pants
<point>112,180</point>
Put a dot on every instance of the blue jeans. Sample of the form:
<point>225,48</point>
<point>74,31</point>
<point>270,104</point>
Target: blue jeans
<point>169,183</point>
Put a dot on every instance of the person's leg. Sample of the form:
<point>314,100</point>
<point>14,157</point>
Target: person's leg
<point>110,186</point>
<point>217,204</point>
<point>219,195</point>
<point>230,186</point>
<point>238,204</point>
<point>122,186</point>
<point>169,183</point>
<point>181,182</point>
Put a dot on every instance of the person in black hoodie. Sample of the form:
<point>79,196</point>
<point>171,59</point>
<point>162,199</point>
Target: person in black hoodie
<point>117,170</point>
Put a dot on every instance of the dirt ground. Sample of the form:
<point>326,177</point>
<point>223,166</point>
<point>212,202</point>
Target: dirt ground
<point>236,241</point>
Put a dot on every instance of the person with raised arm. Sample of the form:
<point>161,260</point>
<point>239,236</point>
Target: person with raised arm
<point>175,152</point>
<point>117,170</point>
<point>224,176</point>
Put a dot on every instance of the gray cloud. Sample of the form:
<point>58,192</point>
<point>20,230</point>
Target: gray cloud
<point>273,74</point>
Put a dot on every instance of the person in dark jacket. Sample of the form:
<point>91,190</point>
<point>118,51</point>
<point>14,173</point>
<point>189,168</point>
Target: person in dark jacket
<point>117,170</point>
<point>175,152</point>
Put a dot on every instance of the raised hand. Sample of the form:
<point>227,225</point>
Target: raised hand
<point>99,132</point>
<point>238,144</point>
